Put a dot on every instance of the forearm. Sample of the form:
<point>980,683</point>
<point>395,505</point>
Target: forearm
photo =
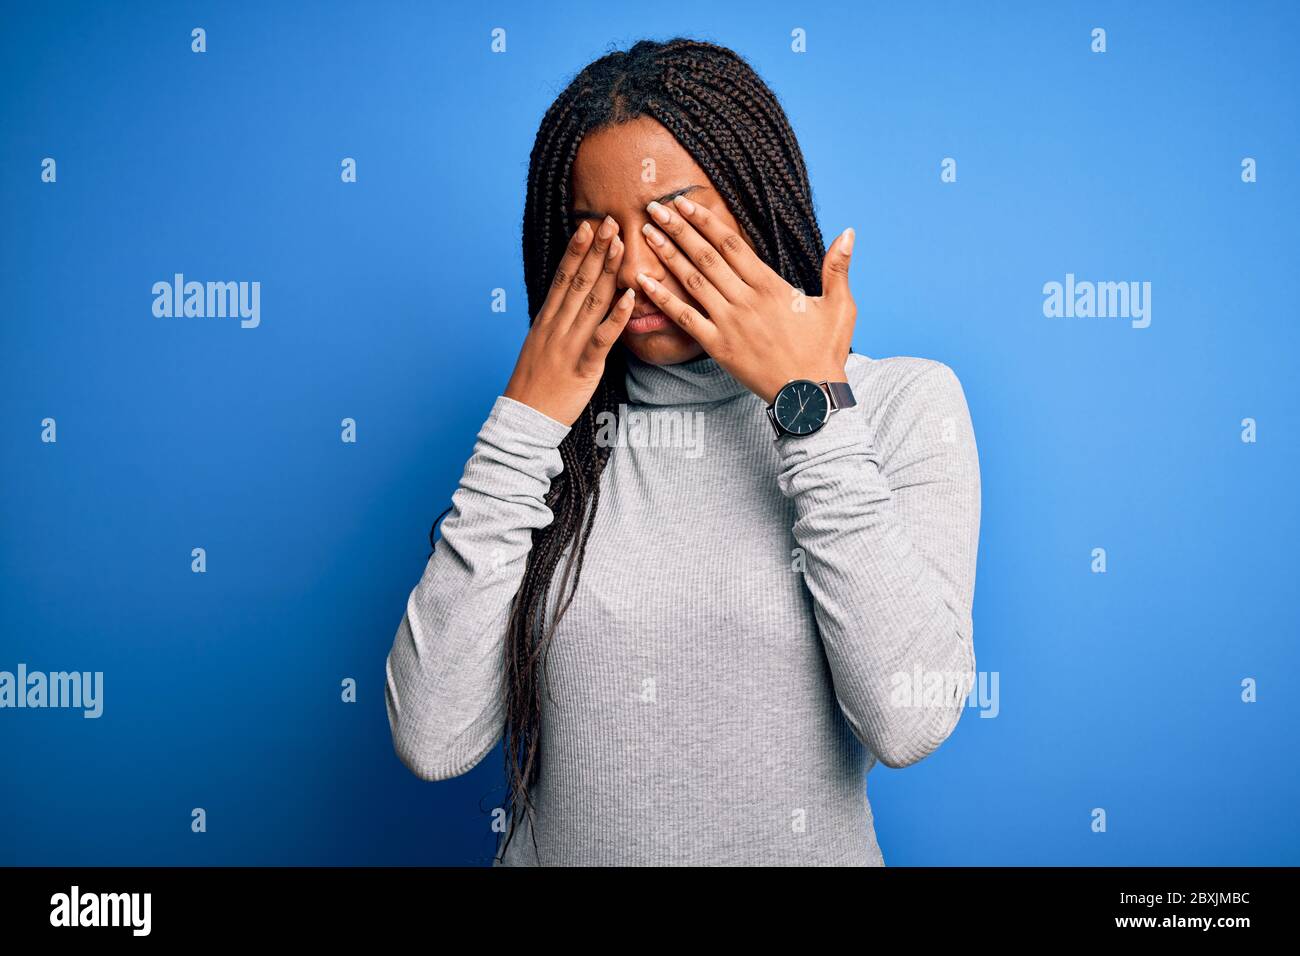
<point>890,563</point>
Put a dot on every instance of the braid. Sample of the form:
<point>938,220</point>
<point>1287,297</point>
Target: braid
<point>725,116</point>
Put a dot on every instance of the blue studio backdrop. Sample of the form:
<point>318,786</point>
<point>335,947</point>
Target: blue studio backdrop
<point>1135,612</point>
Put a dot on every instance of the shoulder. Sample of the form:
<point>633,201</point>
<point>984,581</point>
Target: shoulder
<point>884,387</point>
<point>911,405</point>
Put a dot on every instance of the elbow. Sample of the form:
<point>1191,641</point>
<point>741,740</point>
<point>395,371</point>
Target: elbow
<point>910,727</point>
<point>432,761</point>
<point>923,710</point>
<point>429,751</point>
<point>430,766</point>
<point>903,747</point>
<point>425,762</point>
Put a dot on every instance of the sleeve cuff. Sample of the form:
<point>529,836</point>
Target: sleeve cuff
<point>527,422</point>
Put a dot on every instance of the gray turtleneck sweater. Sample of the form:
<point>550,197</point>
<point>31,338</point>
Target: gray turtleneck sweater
<point>757,622</point>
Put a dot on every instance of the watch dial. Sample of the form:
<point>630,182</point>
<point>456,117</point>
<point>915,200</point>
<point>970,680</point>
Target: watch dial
<point>801,407</point>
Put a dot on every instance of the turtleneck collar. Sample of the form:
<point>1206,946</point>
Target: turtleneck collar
<point>688,383</point>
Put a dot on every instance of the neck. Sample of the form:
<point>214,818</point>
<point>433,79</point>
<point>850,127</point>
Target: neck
<point>699,381</point>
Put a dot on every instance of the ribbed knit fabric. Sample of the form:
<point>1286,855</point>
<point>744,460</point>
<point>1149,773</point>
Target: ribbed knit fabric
<point>751,622</point>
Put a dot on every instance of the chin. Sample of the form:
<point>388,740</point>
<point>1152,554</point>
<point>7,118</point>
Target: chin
<point>669,347</point>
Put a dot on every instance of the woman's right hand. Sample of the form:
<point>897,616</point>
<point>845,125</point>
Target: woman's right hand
<point>563,357</point>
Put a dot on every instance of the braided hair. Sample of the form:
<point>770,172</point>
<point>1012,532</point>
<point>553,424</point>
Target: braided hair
<point>731,123</point>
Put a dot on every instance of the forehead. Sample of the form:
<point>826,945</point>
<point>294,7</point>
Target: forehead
<point>624,162</point>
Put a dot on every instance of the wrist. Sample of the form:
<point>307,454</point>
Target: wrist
<point>770,390</point>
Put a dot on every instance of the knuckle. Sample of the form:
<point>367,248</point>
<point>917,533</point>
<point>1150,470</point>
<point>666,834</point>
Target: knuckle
<point>731,242</point>
<point>708,258</point>
<point>579,282</point>
<point>591,302</point>
<point>694,281</point>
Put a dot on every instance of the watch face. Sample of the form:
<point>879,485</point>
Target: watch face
<point>801,407</point>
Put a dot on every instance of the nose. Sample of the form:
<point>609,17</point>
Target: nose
<point>638,256</point>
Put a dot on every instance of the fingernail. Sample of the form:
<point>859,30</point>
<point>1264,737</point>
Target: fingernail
<point>846,241</point>
<point>646,281</point>
<point>583,229</point>
<point>613,249</point>
<point>659,212</point>
<point>652,234</point>
<point>606,228</point>
<point>685,205</point>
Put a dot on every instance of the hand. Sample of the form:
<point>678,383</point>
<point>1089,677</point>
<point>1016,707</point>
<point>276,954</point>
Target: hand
<point>759,328</point>
<point>563,357</point>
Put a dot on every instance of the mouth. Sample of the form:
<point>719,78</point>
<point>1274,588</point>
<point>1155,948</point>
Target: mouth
<point>651,321</point>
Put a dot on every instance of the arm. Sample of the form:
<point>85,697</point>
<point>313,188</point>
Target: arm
<point>446,667</point>
<point>443,692</point>
<point>887,511</point>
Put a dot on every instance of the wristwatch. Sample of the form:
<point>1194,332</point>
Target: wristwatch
<point>803,406</point>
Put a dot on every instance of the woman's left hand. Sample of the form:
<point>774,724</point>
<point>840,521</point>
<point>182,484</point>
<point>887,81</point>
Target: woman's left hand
<point>760,328</point>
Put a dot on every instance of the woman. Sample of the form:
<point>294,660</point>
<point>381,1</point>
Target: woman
<point>697,602</point>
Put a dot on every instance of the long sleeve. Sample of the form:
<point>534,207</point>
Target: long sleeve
<point>887,502</point>
<point>443,691</point>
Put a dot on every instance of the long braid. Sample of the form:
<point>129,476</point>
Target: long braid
<point>732,124</point>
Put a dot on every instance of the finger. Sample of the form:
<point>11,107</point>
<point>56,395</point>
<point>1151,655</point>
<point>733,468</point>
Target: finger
<point>595,305</point>
<point>835,267</point>
<point>700,252</point>
<point>607,332</point>
<point>691,278</point>
<point>688,318</point>
<point>565,271</point>
<point>744,261</point>
<point>589,271</point>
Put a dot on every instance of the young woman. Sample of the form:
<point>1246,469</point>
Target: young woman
<point>705,566</point>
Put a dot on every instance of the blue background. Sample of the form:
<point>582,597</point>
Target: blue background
<point>222,690</point>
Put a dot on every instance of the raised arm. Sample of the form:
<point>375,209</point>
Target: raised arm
<point>444,671</point>
<point>887,497</point>
<point>444,693</point>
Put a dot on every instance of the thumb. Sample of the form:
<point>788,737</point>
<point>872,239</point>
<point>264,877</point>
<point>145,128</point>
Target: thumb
<point>835,267</point>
